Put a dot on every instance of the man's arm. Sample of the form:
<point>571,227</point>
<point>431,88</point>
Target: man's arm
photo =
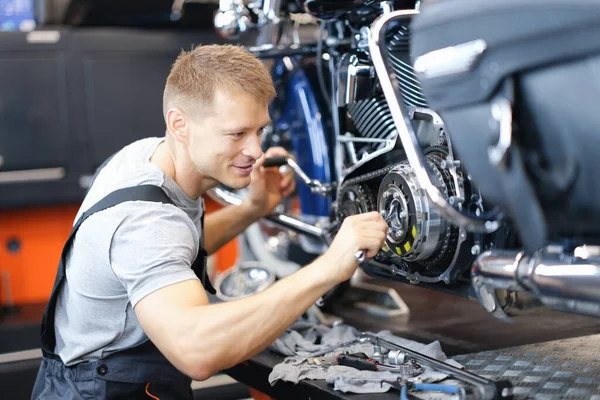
<point>225,224</point>
<point>201,339</point>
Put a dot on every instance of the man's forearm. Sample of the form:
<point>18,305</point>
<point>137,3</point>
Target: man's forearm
<point>229,333</point>
<point>225,224</point>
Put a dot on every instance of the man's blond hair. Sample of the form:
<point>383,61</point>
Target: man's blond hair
<point>196,75</point>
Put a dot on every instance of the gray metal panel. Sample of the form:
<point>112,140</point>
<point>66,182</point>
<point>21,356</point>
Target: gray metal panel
<point>568,368</point>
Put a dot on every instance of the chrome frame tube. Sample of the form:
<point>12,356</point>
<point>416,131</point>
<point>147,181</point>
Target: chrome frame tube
<point>225,197</point>
<point>406,133</point>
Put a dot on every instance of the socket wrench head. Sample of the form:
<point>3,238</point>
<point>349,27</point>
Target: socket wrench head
<point>396,357</point>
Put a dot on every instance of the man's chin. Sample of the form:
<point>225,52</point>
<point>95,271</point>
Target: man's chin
<point>237,183</point>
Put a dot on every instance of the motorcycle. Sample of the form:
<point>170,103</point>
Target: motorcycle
<point>391,110</point>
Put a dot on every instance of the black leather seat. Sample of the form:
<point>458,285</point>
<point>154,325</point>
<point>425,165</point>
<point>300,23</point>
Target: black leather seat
<point>544,57</point>
<point>519,35</point>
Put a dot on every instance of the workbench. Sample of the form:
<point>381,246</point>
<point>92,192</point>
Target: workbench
<point>255,373</point>
<point>567,368</point>
<point>484,345</point>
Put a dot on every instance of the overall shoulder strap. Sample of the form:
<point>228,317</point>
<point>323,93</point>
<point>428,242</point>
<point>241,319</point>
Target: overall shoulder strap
<point>134,193</point>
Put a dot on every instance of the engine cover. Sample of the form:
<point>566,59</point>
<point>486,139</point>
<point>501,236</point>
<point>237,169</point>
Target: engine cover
<point>417,232</point>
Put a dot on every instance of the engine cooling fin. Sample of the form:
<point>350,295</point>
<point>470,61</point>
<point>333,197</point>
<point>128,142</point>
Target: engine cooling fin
<point>373,119</point>
<point>398,48</point>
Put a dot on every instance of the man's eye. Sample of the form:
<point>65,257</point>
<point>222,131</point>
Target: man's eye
<point>238,134</point>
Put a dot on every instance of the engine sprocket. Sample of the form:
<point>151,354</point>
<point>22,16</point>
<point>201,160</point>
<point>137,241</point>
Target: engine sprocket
<point>355,199</point>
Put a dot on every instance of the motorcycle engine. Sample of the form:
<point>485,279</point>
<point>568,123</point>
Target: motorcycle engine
<point>420,242</point>
<point>416,230</point>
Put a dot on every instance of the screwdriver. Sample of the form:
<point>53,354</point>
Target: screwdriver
<point>359,361</point>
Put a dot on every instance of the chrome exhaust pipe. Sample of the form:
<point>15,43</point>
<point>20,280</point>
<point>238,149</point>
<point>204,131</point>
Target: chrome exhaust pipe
<point>565,282</point>
<point>225,197</point>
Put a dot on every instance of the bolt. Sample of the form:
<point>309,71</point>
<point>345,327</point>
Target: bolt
<point>475,250</point>
<point>399,232</point>
<point>396,195</point>
<point>385,194</point>
<point>407,371</point>
<point>377,352</point>
<point>402,214</point>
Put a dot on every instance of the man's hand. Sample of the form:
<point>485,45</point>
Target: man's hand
<point>268,185</point>
<point>358,232</point>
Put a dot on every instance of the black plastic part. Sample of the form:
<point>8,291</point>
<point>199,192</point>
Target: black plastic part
<point>355,361</point>
<point>275,161</point>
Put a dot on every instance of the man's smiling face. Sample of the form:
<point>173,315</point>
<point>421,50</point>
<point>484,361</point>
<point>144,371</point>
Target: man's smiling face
<point>225,141</point>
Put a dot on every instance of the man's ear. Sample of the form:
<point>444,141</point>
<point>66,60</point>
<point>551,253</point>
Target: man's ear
<point>178,125</point>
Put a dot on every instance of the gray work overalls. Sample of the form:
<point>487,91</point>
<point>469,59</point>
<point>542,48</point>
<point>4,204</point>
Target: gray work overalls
<point>140,372</point>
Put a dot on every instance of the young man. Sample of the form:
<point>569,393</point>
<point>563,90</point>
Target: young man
<point>129,315</point>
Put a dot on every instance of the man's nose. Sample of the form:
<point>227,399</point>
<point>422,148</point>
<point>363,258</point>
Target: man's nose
<point>252,147</point>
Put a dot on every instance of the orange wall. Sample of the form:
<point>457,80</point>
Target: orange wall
<point>42,233</point>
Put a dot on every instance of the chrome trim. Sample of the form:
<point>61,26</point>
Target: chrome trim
<point>268,21</point>
<point>267,51</point>
<point>316,186</point>
<point>225,197</point>
<point>450,60</point>
<point>560,281</point>
<point>232,19</point>
<point>388,147</point>
<point>438,123</point>
<point>296,225</point>
<point>346,138</point>
<point>351,69</point>
<point>32,175</point>
<point>406,133</point>
<point>498,153</point>
<point>294,165</point>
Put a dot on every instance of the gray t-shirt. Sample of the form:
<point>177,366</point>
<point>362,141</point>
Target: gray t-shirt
<point>122,254</point>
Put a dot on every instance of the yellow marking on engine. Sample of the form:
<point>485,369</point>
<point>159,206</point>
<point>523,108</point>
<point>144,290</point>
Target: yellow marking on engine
<point>407,246</point>
<point>414,231</point>
<point>398,250</point>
